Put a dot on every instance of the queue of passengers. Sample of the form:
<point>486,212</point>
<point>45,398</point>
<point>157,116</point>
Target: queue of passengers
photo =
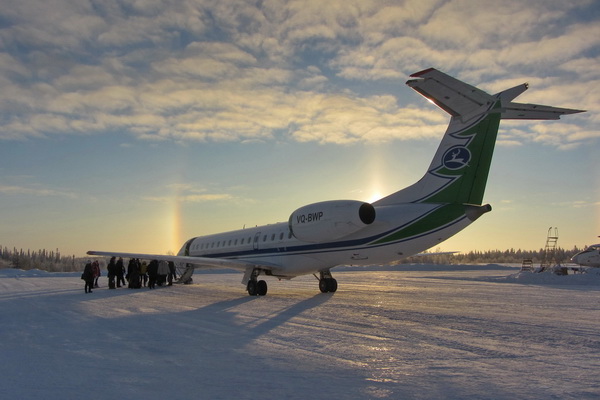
<point>139,274</point>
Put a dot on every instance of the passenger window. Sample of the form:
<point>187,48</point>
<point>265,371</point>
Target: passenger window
<point>281,236</point>
<point>265,238</point>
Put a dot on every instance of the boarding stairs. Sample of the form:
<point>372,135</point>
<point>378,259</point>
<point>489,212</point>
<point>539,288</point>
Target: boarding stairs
<point>527,265</point>
<point>185,272</point>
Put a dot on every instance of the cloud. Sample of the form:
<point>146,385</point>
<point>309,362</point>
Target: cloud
<point>35,191</point>
<point>283,70</point>
<point>188,193</point>
<point>190,198</point>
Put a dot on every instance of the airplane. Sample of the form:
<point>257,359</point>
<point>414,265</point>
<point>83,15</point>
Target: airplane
<point>590,257</point>
<point>320,236</point>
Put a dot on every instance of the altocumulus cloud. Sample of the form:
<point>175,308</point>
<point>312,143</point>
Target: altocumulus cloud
<point>280,70</point>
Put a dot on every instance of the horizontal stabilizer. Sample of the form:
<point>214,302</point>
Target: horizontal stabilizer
<point>465,102</point>
<point>512,93</point>
<point>533,111</point>
<point>451,95</point>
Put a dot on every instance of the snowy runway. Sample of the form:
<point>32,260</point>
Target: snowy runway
<point>422,332</point>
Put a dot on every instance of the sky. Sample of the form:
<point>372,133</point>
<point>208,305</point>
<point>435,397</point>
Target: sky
<point>134,125</point>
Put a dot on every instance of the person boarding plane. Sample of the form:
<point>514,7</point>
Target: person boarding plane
<point>320,236</point>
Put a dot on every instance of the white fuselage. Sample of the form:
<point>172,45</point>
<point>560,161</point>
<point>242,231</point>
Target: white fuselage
<point>590,257</point>
<point>380,242</point>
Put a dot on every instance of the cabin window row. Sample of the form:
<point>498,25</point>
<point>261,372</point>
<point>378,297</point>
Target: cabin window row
<point>239,241</point>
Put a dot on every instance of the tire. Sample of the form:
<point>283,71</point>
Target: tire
<point>323,286</point>
<point>251,288</point>
<point>332,285</point>
<point>261,288</point>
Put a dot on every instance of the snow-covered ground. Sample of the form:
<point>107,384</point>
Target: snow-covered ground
<point>420,332</point>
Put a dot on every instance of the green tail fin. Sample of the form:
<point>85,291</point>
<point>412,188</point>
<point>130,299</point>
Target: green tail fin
<point>459,170</point>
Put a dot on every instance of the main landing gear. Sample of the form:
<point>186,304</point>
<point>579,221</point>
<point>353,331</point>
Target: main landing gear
<point>327,284</point>
<point>256,287</point>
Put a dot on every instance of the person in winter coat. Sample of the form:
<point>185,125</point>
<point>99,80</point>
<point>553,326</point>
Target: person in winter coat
<point>152,274</point>
<point>172,273</point>
<point>119,272</point>
<point>111,273</point>
<point>163,271</point>
<point>133,274</point>
<point>96,270</point>
<point>88,277</point>
<point>143,273</point>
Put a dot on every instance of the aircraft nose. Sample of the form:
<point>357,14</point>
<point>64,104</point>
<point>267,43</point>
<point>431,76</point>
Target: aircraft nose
<point>575,259</point>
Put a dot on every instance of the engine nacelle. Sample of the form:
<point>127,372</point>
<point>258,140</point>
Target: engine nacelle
<point>330,220</point>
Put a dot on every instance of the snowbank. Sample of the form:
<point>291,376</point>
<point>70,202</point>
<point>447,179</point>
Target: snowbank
<point>590,277</point>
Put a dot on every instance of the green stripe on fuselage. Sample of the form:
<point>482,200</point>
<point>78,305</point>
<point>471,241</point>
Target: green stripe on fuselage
<point>430,222</point>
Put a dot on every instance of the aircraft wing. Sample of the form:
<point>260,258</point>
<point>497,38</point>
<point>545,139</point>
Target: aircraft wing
<point>439,253</point>
<point>198,262</point>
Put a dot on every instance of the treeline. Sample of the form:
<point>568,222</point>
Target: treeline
<point>511,256</point>
<point>42,259</point>
<point>53,261</point>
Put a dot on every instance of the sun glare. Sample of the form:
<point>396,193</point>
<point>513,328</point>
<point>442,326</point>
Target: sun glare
<point>376,171</point>
<point>375,196</point>
<point>174,239</point>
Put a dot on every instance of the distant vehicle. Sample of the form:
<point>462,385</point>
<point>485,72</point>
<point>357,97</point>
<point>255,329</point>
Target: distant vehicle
<point>590,257</point>
<point>320,236</point>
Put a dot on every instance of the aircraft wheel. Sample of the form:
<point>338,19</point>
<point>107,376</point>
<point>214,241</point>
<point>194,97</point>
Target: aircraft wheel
<point>261,288</point>
<point>252,288</point>
<point>331,285</point>
<point>323,286</point>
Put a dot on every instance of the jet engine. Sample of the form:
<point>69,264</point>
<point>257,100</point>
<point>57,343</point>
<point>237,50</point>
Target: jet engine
<point>330,220</point>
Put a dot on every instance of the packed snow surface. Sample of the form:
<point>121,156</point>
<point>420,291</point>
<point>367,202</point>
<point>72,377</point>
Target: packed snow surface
<point>406,332</point>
